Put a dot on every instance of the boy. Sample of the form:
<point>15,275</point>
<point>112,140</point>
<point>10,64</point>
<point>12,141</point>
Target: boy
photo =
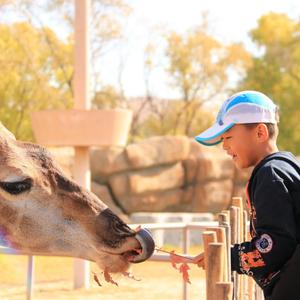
<point>247,127</point>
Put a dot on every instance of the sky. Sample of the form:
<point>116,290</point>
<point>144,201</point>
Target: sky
<point>230,21</point>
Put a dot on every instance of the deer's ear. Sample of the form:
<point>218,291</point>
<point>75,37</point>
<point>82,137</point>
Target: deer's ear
<point>6,133</point>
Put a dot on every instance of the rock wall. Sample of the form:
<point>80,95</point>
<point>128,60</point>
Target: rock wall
<point>166,174</point>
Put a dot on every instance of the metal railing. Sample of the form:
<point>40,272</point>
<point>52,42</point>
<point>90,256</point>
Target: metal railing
<point>185,231</point>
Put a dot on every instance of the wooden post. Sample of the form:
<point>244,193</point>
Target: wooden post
<point>258,293</point>
<point>208,237</point>
<point>223,219</point>
<point>233,224</point>
<point>224,290</point>
<point>245,220</point>
<point>221,238</point>
<point>238,203</point>
<point>234,239</point>
<point>251,288</point>
<point>214,269</point>
<point>220,233</point>
<point>246,279</point>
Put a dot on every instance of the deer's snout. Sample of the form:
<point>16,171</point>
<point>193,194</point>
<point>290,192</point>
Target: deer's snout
<point>114,233</point>
<point>111,229</point>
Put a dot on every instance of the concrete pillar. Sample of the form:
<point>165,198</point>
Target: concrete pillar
<point>81,101</point>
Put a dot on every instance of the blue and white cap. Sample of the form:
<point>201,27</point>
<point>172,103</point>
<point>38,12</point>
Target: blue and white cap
<point>241,108</point>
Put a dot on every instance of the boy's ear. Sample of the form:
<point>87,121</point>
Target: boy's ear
<point>262,132</point>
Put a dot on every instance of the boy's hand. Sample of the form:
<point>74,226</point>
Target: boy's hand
<point>199,260</point>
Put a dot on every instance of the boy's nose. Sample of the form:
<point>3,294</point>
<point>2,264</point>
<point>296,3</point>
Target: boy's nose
<point>224,145</point>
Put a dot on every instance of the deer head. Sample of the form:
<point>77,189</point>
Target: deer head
<point>44,212</point>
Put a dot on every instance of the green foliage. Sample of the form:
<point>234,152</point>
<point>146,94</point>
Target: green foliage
<point>199,67</point>
<point>107,97</point>
<point>199,64</point>
<point>276,72</point>
<point>36,73</point>
<point>37,66</point>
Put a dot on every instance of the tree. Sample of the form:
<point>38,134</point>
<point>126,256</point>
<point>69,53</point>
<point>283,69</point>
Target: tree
<point>107,97</point>
<point>41,63</point>
<point>30,77</point>
<point>276,72</point>
<point>107,22</point>
<point>165,115</point>
<point>199,67</point>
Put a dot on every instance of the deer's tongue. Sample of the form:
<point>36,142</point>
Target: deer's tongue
<point>146,241</point>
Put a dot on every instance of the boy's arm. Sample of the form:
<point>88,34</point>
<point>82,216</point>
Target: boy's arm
<point>275,228</point>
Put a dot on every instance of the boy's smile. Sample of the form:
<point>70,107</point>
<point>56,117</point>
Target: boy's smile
<point>243,145</point>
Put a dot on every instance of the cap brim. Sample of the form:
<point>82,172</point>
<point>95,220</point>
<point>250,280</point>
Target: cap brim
<point>212,135</point>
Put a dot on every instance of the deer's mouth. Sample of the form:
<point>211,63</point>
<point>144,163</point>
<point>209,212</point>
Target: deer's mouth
<point>143,249</point>
<point>146,241</point>
<point>131,255</point>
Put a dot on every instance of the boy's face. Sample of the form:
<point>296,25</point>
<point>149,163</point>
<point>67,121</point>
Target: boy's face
<point>241,144</point>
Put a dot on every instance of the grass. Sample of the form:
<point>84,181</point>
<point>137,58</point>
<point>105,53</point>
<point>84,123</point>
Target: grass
<point>54,280</point>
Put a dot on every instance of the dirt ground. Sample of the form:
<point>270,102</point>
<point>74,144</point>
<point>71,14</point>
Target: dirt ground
<point>53,280</point>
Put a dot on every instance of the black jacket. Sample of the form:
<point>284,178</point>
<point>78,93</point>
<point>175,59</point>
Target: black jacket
<point>274,202</point>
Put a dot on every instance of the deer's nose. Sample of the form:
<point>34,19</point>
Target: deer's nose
<point>111,229</point>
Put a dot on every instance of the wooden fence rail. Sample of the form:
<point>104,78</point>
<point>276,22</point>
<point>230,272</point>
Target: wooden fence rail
<point>221,282</point>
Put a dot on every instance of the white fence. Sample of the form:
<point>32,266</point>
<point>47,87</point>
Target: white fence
<point>184,227</point>
<point>185,230</point>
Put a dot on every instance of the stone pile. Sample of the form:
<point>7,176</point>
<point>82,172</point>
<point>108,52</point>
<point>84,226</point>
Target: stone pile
<point>166,174</point>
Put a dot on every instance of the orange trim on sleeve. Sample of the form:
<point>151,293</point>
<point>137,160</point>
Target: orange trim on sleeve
<point>251,260</point>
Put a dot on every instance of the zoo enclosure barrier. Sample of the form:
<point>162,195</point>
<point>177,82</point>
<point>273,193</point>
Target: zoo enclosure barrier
<point>221,283</point>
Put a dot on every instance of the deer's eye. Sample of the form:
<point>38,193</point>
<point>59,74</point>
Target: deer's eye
<point>17,187</point>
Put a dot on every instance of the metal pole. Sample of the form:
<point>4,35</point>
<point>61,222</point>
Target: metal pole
<point>30,277</point>
<point>185,248</point>
<point>81,93</point>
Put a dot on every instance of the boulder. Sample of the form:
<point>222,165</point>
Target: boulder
<point>106,161</point>
<point>147,180</point>
<point>158,150</point>
<point>191,165</point>
<point>207,163</point>
<point>239,190</point>
<point>214,167</point>
<point>213,196</point>
<point>154,202</point>
<point>102,192</point>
